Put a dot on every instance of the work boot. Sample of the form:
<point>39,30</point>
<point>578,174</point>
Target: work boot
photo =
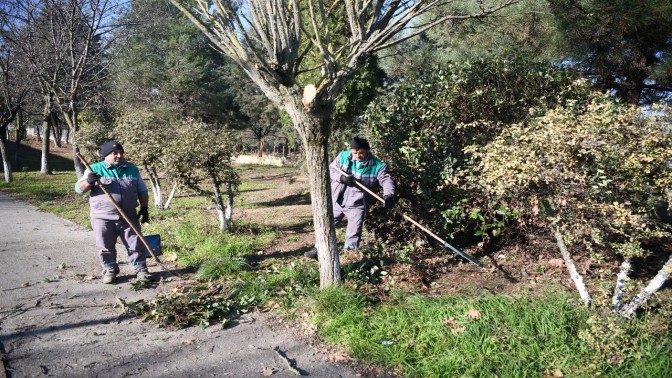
<point>109,276</point>
<point>311,253</point>
<point>143,275</point>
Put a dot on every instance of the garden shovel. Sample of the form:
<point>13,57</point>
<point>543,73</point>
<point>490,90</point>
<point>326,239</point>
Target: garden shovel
<point>418,225</point>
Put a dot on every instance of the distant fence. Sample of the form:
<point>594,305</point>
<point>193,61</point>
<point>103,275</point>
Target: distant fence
<point>278,161</point>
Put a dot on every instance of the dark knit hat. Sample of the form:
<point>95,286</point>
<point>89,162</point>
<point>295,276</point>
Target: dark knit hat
<point>356,143</point>
<point>109,146</point>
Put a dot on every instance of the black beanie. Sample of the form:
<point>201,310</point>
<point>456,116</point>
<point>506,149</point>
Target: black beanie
<point>109,146</point>
<point>356,143</point>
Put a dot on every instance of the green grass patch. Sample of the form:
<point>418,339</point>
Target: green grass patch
<point>489,336</point>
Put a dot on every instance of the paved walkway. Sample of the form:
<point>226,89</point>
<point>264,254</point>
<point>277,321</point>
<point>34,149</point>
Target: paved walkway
<point>58,319</point>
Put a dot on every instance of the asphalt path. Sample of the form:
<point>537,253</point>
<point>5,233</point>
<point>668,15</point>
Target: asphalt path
<point>58,319</point>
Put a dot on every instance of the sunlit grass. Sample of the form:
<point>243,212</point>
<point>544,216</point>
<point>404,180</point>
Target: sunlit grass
<point>456,336</point>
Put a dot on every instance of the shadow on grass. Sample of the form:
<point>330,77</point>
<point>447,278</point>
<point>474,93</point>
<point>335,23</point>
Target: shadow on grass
<point>290,200</point>
<point>30,158</point>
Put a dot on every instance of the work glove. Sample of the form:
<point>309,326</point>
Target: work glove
<point>92,178</point>
<point>143,214</point>
<point>389,202</point>
<point>348,180</point>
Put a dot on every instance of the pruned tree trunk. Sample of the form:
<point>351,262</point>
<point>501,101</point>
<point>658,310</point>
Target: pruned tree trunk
<point>315,135</point>
<point>170,196</point>
<point>571,267</point>
<point>656,283</point>
<point>622,277</point>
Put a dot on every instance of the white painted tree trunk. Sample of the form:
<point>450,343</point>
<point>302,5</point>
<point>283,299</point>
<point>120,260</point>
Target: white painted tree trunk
<point>228,213</point>
<point>622,277</point>
<point>170,196</point>
<point>219,206</point>
<point>7,166</point>
<point>157,193</point>
<point>571,267</point>
<point>656,283</point>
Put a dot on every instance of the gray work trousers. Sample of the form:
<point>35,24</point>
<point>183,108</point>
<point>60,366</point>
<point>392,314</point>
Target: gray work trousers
<point>106,232</point>
<point>355,216</point>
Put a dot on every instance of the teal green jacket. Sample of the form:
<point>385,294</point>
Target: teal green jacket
<point>371,172</point>
<point>124,184</point>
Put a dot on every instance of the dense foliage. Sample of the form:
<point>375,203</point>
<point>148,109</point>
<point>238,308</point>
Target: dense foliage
<point>423,127</point>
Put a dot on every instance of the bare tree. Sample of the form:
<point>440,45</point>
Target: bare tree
<point>269,39</point>
<point>14,86</point>
<point>66,44</point>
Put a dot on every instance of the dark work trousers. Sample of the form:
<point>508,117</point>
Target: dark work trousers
<point>355,216</point>
<point>106,232</point>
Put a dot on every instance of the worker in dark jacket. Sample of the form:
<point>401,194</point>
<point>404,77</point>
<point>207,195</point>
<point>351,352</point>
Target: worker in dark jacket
<point>122,179</point>
<point>348,199</point>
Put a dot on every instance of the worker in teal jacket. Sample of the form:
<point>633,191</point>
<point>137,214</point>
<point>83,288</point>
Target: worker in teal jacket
<point>349,200</point>
<point>122,179</point>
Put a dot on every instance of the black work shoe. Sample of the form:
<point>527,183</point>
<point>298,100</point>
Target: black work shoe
<point>311,253</point>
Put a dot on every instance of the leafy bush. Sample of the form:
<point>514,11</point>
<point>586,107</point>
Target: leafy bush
<point>598,171</point>
<point>422,128</point>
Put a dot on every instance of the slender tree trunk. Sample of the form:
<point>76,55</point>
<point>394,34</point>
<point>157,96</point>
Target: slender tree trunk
<point>571,267</point>
<point>654,285</point>
<point>219,206</point>
<point>73,126</point>
<point>46,120</point>
<point>620,284</point>
<point>170,196</point>
<point>156,187</point>
<point>228,214</point>
<point>20,134</point>
<point>261,147</point>
<point>56,130</point>
<point>6,165</point>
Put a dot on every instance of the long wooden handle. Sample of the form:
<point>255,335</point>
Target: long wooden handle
<point>123,214</point>
<point>416,224</point>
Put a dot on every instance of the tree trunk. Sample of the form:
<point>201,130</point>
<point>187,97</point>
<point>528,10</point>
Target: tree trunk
<point>20,134</point>
<point>219,205</point>
<point>656,283</point>
<point>314,131</point>
<point>73,126</point>
<point>56,131</point>
<point>6,165</point>
<point>156,187</point>
<point>569,262</point>
<point>620,284</point>
<point>46,121</point>
<point>170,196</point>
<point>261,147</point>
<point>228,214</point>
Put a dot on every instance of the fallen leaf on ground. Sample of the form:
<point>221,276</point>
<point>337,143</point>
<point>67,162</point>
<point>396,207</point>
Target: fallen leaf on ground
<point>556,263</point>
<point>267,372</point>
<point>188,342</point>
<point>473,314</point>
<point>450,322</point>
<point>337,357</point>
